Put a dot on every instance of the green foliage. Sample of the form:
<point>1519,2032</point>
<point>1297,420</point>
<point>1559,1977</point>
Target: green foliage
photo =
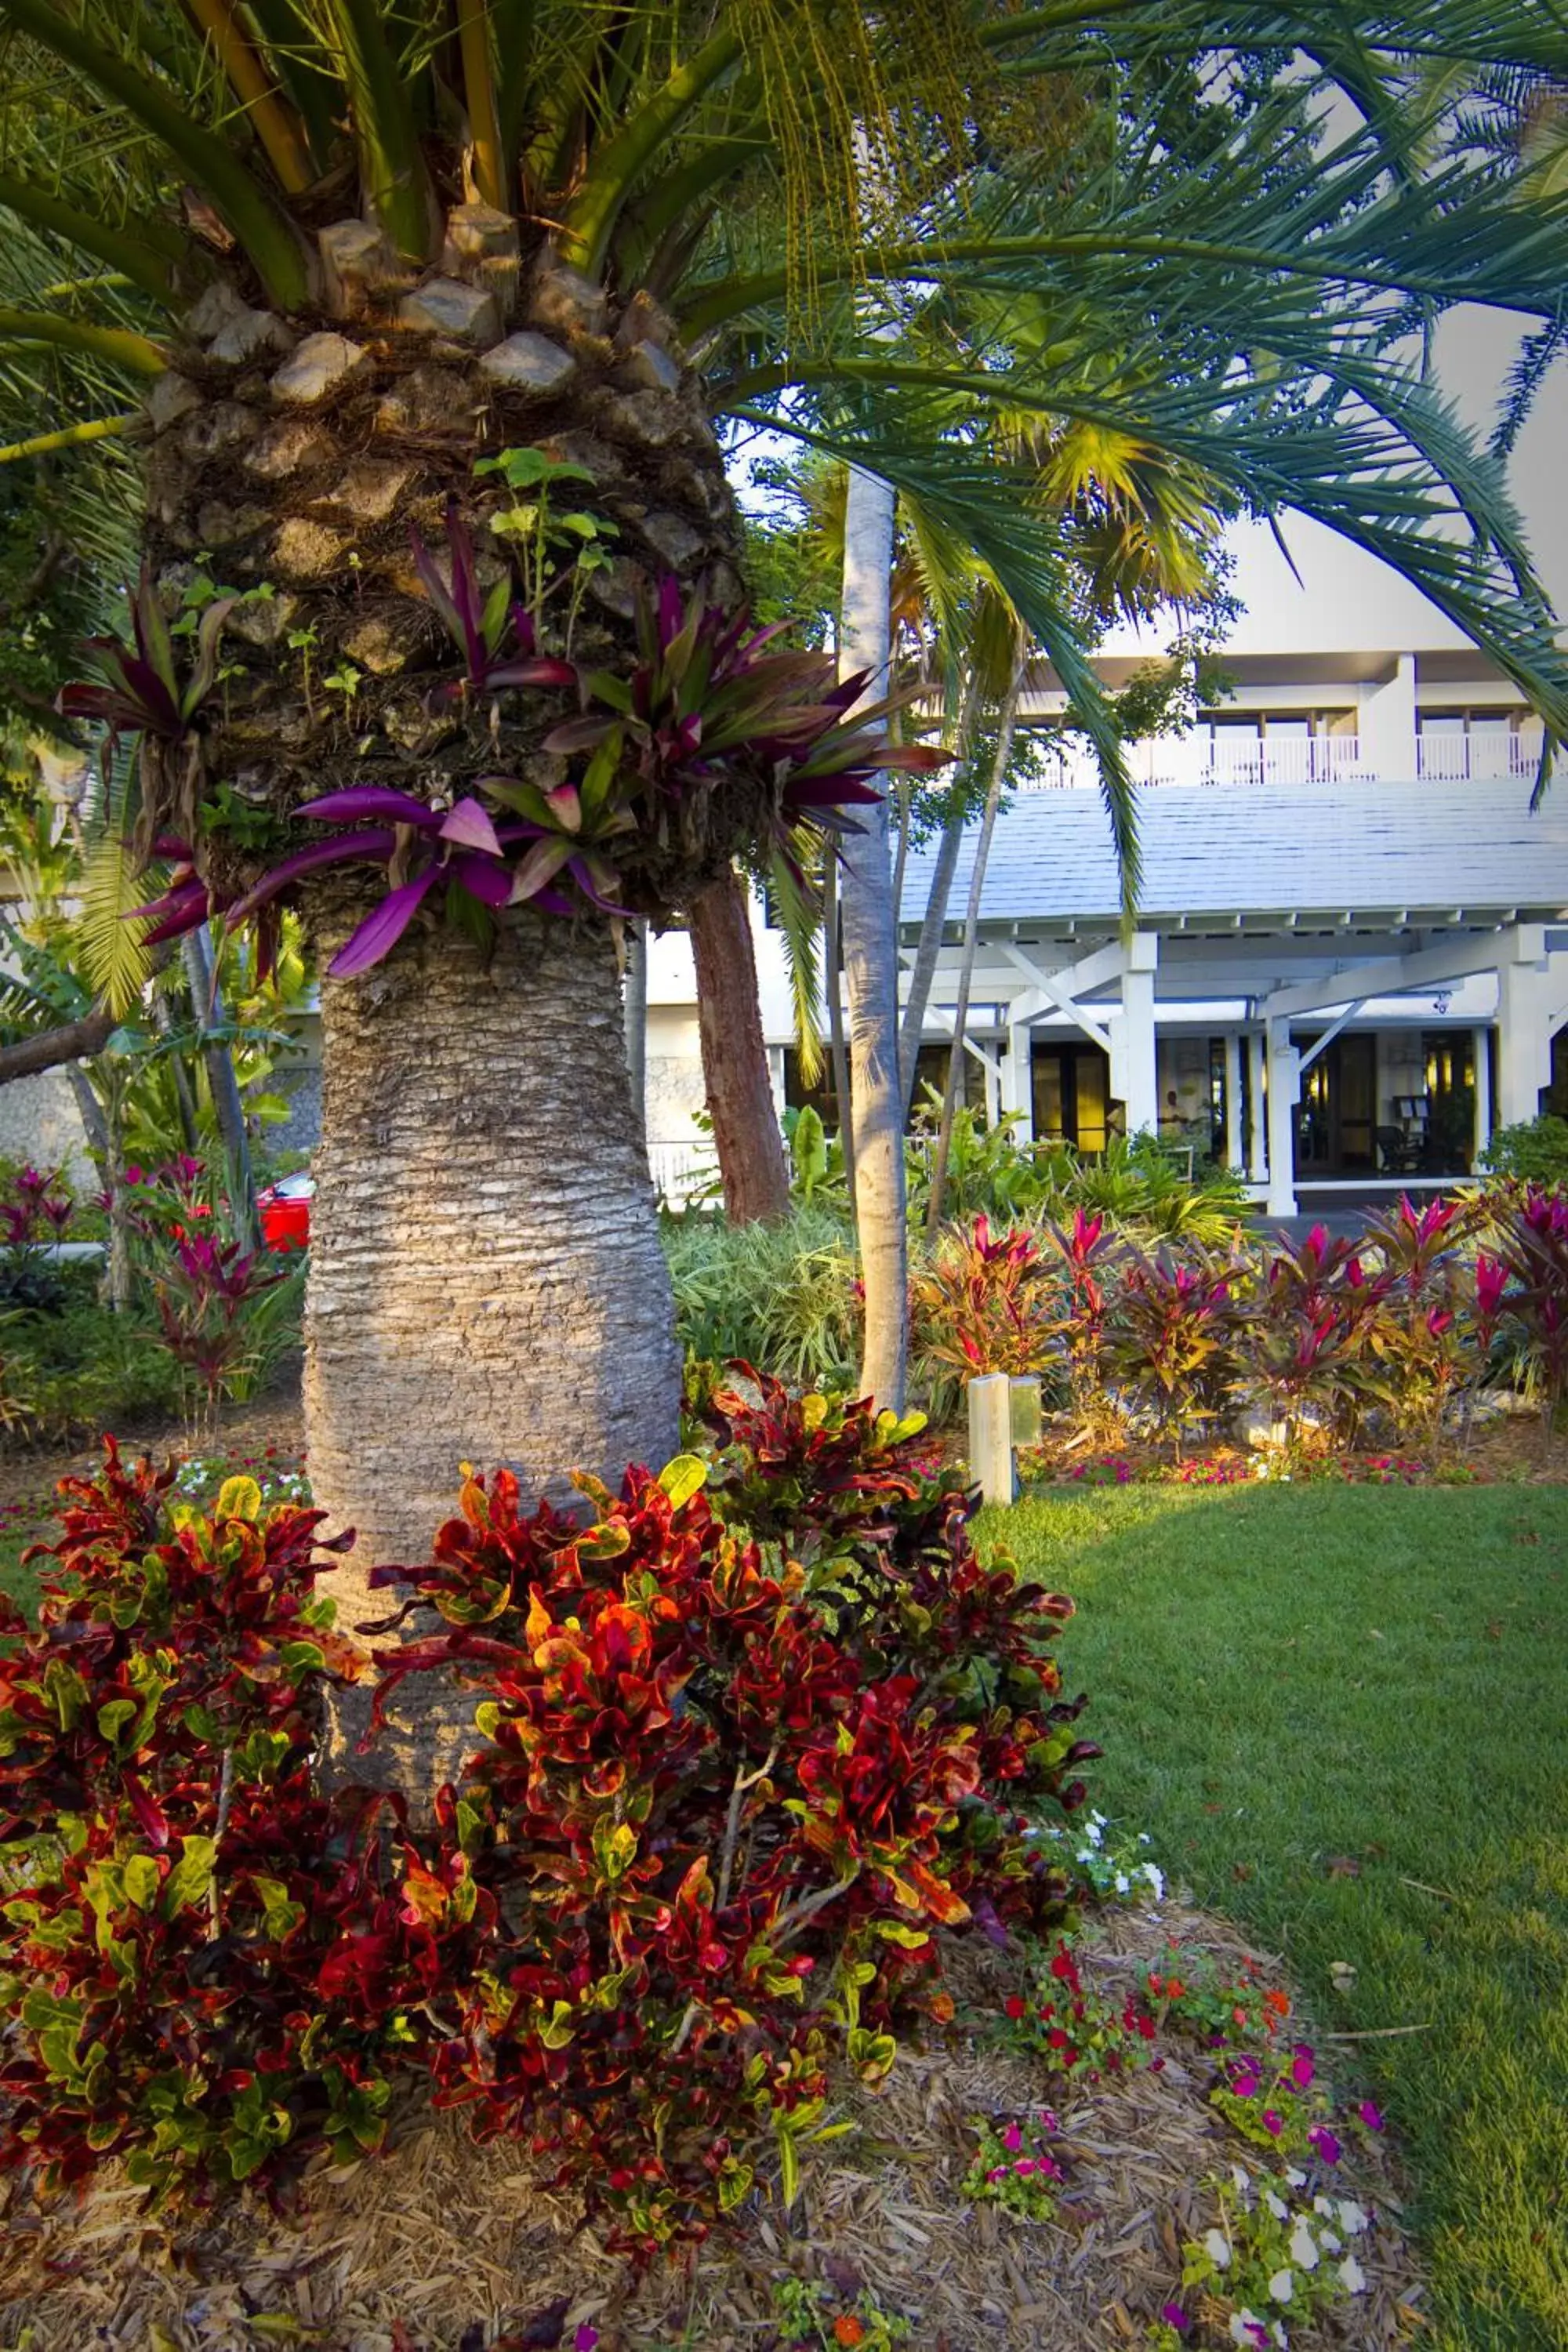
<point>784,1296</point>
<point>1533,1152</point>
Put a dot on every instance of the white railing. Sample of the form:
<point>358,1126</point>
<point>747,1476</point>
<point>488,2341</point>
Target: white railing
<point>1288,761</point>
<point>681,1169</point>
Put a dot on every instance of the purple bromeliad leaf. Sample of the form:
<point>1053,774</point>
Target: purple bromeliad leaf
<point>381,930</point>
<point>482,878</point>
<point>467,825</point>
<point>373,801</point>
<point>373,843</point>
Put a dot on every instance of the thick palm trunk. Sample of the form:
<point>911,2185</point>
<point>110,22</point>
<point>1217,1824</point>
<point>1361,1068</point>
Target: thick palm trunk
<point>870,968</point>
<point>735,1055</point>
<point>486,1278</point>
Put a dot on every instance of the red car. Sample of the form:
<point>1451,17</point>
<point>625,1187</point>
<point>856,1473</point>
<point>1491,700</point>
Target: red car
<point>285,1210</point>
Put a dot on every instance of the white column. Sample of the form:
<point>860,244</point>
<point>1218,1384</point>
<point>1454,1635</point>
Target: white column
<point>1524,1035</point>
<point>1256,1142</point>
<point>1017,1082</point>
<point>1481,1063</point>
<point>993,1085</point>
<point>1284,1094</point>
<point>1232,1099</point>
<point>1133,1078</point>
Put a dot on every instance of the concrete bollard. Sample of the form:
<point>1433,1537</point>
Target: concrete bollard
<point>1026,1419</point>
<point>991,1435</point>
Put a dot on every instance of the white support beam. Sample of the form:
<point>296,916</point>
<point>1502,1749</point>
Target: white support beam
<point>1321,1044</point>
<point>1391,975</point>
<point>1019,1082</point>
<point>1133,1066</point>
<point>1481,1064</point>
<point>1257,1141</point>
<point>988,1057</point>
<point>1284,1094</point>
<point>1233,1159</point>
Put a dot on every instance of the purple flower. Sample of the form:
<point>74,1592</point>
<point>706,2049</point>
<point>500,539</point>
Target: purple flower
<point>1302,2071</point>
<point>1174,2317</point>
<point>585,2338</point>
<point>1273,2121</point>
<point>1321,2138</point>
<point>1371,2117</point>
<point>1013,2139</point>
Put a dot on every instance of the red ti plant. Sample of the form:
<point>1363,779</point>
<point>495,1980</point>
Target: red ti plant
<point>1535,1251</point>
<point>33,1216</point>
<point>1310,1330</point>
<point>207,1293</point>
<point>981,1303</point>
<point>1089,1255</point>
<point>1172,1341</point>
<point>1422,1337</point>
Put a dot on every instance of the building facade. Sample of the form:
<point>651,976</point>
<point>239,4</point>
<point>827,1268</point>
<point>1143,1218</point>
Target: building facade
<point>1351,959</point>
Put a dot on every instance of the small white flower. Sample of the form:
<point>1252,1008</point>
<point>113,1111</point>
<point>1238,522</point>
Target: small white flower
<point>1216,2245</point>
<point>1324,2205</point>
<point>1281,2337</point>
<point>1243,2180</point>
<point>1156,1878</point>
<point>1330,2244</point>
<point>1303,2245</point>
<point>1298,2179</point>
<point>1353,2278</point>
<point>1276,2205</point>
<point>1143,1838</point>
<point>1280,2287</point>
<point>1353,2218</point>
<point>1123,1884</point>
<point>1246,2326</point>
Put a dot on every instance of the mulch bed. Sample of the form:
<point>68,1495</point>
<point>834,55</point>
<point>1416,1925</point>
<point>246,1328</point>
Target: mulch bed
<point>440,2246</point>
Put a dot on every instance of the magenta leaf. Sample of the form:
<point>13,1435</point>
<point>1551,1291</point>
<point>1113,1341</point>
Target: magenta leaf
<point>370,801</point>
<point>468,826</point>
<point>381,930</point>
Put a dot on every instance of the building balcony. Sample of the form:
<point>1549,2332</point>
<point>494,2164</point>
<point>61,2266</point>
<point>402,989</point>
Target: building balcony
<point>1233,756</point>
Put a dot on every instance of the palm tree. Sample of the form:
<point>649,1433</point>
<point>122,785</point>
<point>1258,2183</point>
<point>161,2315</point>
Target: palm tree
<point>349,256</point>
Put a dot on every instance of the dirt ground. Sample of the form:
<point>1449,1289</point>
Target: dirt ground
<point>440,2246</point>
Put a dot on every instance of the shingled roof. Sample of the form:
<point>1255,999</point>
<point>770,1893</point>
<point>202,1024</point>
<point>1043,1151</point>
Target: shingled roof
<point>1225,850</point>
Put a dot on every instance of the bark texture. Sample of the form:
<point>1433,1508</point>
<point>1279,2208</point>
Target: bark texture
<point>735,1056</point>
<point>870,971</point>
<point>485,1281</point>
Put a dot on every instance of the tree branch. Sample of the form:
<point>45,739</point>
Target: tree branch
<point>75,1041</point>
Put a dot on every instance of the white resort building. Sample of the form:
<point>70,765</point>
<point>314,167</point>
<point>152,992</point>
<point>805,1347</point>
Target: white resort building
<point>1351,959</point>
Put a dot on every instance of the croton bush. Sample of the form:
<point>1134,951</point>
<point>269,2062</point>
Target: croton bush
<point>747,1734</point>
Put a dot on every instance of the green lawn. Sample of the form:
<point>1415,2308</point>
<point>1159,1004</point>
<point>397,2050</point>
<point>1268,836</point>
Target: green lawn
<point>1288,1682</point>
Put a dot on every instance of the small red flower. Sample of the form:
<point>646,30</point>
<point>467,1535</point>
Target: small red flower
<point>1015,2006</point>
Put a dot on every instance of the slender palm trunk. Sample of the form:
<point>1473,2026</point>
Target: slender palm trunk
<point>735,1055</point>
<point>485,1276</point>
<point>870,968</point>
<point>207,1002</point>
<point>1007,716</point>
<point>833,989</point>
<point>934,921</point>
<point>634,998</point>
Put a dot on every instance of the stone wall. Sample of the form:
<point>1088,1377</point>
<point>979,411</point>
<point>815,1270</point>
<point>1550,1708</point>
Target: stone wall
<point>39,1121</point>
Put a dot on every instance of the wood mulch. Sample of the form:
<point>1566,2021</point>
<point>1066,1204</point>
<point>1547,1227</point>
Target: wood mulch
<point>440,2246</point>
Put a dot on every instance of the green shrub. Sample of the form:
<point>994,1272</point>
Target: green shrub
<point>784,1296</point>
<point>1534,1152</point>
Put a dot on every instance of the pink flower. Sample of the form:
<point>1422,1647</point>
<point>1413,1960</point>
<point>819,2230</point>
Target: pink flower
<point>1371,2117</point>
<point>1302,2071</point>
<point>1273,2121</point>
<point>1323,2141</point>
<point>1013,2139</point>
<point>585,2338</point>
<point>1024,2166</point>
<point>1174,2317</point>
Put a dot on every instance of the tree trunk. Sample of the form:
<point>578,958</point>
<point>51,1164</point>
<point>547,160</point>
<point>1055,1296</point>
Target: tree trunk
<point>934,920</point>
<point>634,1003</point>
<point>870,967</point>
<point>832,989</point>
<point>485,1281</point>
<point>734,1056</point>
<point>207,1002</point>
<point>1007,716</point>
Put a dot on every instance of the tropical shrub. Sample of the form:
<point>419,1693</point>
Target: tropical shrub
<point>784,1295</point>
<point>1175,1340</point>
<point>744,1741</point>
<point>983,1302</point>
<point>182,1917</point>
<point>726,1797</point>
<point>36,1212</point>
<point>1535,1151</point>
<point>1310,1330</point>
<point>1533,1252</point>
